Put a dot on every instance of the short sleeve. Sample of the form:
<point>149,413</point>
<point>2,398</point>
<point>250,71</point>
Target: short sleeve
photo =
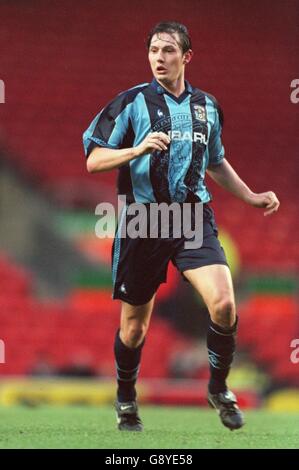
<point>109,127</point>
<point>216,149</point>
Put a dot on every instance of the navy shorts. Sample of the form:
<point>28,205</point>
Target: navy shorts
<point>139,265</point>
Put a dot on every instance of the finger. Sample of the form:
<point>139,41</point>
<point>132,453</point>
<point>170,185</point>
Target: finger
<point>157,141</point>
<point>153,134</point>
<point>271,205</point>
<point>159,144</point>
<point>272,208</point>
<point>156,147</point>
<point>272,197</point>
<point>161,136</point>
<point>165,138</point>
<point>269,212</point>
<point>271,200</point>
<point>158,135</point>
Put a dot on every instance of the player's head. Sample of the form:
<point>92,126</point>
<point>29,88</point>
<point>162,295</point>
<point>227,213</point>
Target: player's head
<point>169,50</point>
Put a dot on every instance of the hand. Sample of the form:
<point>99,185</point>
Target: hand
<point>267,200</point>
<point>154,141</point>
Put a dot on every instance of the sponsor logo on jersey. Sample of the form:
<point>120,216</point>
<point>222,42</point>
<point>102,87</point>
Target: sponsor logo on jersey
<point>193,136</point>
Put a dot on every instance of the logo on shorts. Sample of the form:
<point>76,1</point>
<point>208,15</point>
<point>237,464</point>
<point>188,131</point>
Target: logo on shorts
<point>200,113</point>
<point>123,289</point>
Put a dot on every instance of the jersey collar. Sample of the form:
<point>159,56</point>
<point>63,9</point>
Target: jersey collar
<point>161,90</point>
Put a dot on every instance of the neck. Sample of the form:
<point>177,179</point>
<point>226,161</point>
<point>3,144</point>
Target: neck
<point>176,87</point>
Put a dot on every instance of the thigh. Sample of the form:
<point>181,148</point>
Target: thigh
<point>139,267</point>
<point>213,283</point>
<point>209,253</point>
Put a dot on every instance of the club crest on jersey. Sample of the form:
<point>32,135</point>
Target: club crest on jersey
<point>200,113</point>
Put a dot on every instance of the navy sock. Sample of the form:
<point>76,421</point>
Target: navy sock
<point>221,347</point>
<point>127,367</point>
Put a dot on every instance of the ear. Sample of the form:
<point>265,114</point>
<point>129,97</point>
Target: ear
<point>187,56</point>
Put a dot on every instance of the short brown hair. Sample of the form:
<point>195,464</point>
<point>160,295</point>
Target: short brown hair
<point>172,27</point>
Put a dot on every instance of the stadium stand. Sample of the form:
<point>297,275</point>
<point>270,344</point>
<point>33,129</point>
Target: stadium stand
<point>55,86</point>
<point>269,323</point>
<point>48,89</point>
<point>45,338</point>
<point>63,330</point>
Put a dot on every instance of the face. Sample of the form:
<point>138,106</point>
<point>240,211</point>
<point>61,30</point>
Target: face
<point>166,57</point>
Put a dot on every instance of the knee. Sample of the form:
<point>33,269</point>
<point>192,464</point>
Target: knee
<point>133,335</point>
<point>223,312</point>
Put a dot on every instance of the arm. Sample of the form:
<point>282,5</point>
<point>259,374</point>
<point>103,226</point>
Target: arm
<point>105,159</point>
<point>226,177</point>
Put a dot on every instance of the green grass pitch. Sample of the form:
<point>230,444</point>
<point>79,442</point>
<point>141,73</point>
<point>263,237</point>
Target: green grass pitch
<point>79,427</point>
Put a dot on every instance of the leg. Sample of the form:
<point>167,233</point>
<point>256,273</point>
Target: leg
<point>128,345</point>
<point>214,284</point>
<point>139,266</point>
<point>134,322</point>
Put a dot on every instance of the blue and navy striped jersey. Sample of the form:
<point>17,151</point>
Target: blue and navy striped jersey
<point>194,123</point>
